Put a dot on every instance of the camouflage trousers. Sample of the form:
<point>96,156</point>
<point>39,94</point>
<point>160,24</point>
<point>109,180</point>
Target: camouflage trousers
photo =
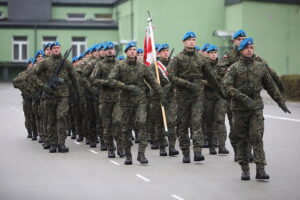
<point>76,119</point>
<point>56,111</point>
<point>134,115</point>
<point>158,122</point>
<point>214,120</point>
<point>189,114</point>
<point>29,118</point>
<point>248,129</point>
<point>111,114</point>
<point>90,120</point>
<point>99,123</point>
<point>37,115</point>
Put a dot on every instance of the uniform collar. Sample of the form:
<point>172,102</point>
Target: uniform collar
<point>189,53</point>
<point>130,61</point>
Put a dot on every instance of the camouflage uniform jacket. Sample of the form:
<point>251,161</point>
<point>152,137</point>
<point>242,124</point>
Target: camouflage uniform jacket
<point>249,77</point>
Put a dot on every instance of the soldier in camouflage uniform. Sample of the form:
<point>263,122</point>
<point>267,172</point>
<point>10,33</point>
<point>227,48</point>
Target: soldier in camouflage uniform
<point>109,105</point>
<point>214,109</point>
<point>163,52</point>
<point>243,83</point>
<point>56,100</point>
<point>187,72</point>
<point>21,83</point>
<point>130,77</point>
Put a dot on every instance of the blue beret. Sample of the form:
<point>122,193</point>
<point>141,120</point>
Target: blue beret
<point>47,45</point>
<point>189,35</point>
<point>56,43</point>
<point>30,60</point>
<point>140,50</point>
<point>94,47</point>
<point>162,46</point>
<point>99,46</point>
<point>156,46</point>
<point>239,33</point>
<point>197,48</point>
<point>120,58</point>
<point>89,50</point>
<point>74,59</point>
<point>245,42</point>
<point>130,44</point>
<point>212,48</point>
<point>205,46</point>
<point>38,53</point>
<point>80,56</point>
<point>108,45</point>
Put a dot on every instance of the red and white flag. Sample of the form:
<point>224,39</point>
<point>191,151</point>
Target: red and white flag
<point>149,52</point>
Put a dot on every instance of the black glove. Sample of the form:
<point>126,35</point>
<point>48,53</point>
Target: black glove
<point>134,89</point>
<point>250,103</point>
<point>48,89</point>
<point>285,109</point>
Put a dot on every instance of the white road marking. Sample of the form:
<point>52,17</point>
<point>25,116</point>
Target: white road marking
<point>76,142</point>
<point>176,197</point>
<point>95,152</point>
<point>143,178</point>
<point>282,118</point>
<point>114,162</point>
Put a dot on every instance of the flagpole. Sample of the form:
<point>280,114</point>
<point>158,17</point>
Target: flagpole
<point>149,20</point>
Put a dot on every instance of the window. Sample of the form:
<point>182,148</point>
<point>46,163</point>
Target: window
<point>47,39</point>
<point>20,45</point>
<point>1,15</point>
<point>99,16</point>
<point>78,45</point>
<point>76,16</point>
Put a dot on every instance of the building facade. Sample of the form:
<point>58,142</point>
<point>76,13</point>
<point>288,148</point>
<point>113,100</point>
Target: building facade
<point>26,25</point>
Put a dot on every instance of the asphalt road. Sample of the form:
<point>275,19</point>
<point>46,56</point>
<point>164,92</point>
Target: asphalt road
<point>29,172</point>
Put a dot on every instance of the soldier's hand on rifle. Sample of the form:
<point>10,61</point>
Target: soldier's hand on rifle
<point>285,109</point>
<point>48,89</point>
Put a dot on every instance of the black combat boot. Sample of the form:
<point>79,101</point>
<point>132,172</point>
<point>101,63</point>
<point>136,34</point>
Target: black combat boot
<point>111,154</point>
<point>154,145</point>
<point>166,143</point>
<point>87,141</point>
<point>162,151</point>
<point>205,144</point>
<point>53,148</point>
<point>73,137</point>
<point>245,175</point>
<point>29,134</point>
<point>80,138</point>
<point>223,150</point>
<point>103,146</point>
<point>216,143</point>
<point>62,148</point>
<point>141,157</point>
<point>186,157</point>
<point>128,158</point>
<point>46,146</point>
<point>198,156</point>
<point>121,152</point>
<point>212,150</point>
<point>34,136</point>
<point>93,143</point>
<point>261,174</point>
<point>173,151</point>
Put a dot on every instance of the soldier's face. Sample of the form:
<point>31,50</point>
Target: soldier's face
<point>110,52</point>
<point>39,58</point>
<point>213,55</point>
<point>87,56</point>
<point>56,50</point>
<point>29,65</point>
<point>238,40</point>
<point>248,51</point>
<point>131,52</point>
<point>101,53</point>
<point>95,54</point>
<point>48,51</point>
<point>204,53</point>
<point>189,43</point>
<point>164,53</point>
<point>140,57</point>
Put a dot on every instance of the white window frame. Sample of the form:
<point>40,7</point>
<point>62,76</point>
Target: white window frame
<point>78,44</point>
<point>20,43</point>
